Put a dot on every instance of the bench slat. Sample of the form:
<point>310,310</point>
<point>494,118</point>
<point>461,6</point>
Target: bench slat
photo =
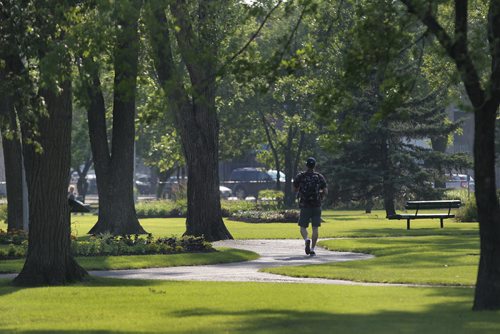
<point>420,216</point>
<point>433,204</point>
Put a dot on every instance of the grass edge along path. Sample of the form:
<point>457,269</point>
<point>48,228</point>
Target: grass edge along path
<point>429,260</point>
<point>222,255</point>
<point>130,306</point>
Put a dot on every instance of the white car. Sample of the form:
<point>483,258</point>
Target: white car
<point>225,192</point>
<point>460,181</point>
<point>274,175</point>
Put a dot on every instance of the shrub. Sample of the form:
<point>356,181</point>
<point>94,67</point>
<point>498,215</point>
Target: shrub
<point>229,208</point>
<point>162,209</point>
<point>104,245</point>
<point>271,199</point>
<point>178,208</point>
<point>136,245</point>
<point>16,237</point>
<point>3,213</point>
<point>460,194</point>
<point>14,251</point>
<point>467,212</point>
<point>282,216</point>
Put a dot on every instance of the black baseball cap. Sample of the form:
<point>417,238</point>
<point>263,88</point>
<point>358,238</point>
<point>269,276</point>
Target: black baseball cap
<point>311,162</point>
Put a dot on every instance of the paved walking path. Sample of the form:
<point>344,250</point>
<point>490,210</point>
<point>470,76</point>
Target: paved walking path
<point>274,253</point>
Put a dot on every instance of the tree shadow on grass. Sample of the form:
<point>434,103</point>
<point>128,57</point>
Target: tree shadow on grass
<point>438,318</point>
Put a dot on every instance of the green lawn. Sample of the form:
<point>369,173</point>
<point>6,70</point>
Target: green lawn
<point>337,224</point>
<point>450,260</point>
<point>425,254</point>
<point>121,306</point>
<point>223,255</point>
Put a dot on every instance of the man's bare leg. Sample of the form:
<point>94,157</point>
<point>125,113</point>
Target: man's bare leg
<point>303,232</point>
<point>315,235</point>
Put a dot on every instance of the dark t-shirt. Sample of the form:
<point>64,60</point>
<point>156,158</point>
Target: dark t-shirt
<point>309,184</point>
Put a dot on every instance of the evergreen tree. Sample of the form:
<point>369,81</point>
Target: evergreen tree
<point>384,104</point>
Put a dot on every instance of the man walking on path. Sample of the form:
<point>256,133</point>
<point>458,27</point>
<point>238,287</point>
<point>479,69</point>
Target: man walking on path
<point>311,188</point>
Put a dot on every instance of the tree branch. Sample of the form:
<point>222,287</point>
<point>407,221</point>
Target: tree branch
<point>168,77</point>
<point>252,38</point>
<point>289,41</point>
<point>189,44</point>
<point>270,141</point>
<point>455,50</point>
<point>461,28</point>
<point>96,111</point>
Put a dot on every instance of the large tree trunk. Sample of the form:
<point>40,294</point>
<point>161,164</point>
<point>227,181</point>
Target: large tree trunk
<point>195,115</point>
<point>13,165</point>
<point>389,206</point>
<point>115,170</point>
<point>201,146</point>
<point>82,185</point>
<point>274,151</point>
<point>162,179</point>
<point>49,261</point>
<point>487,295</point>
<point>289,194</point>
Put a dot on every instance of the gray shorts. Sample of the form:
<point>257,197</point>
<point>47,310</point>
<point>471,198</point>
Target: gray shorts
<point>312,215</point>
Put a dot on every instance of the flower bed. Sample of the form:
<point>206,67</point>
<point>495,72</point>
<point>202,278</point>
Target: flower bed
<point>15,237</point>
<point>254,216</point>
<point>104,245</point>
<point>171,209</point>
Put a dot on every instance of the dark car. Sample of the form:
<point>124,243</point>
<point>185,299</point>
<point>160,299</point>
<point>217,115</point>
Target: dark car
<point>248,181</point>
<point>144,184</point>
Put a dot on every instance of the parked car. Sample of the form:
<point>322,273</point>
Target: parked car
<point>225,192</point>
<point>274,175</point>
<point>248,181</point>
<point>144,184</point>
<point>460,181</point>
<point>174,184</point>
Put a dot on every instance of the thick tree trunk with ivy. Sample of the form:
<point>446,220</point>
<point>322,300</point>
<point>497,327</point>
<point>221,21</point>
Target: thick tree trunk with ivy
<point>115,168</point>
<point>48,260</point>
<point>195,113</point>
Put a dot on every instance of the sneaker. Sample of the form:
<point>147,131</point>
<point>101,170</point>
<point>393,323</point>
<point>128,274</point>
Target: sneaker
<point>308,246</point>
<point>312,253</point>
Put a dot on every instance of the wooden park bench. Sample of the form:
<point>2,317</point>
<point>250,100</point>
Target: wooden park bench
<point>427,205</point>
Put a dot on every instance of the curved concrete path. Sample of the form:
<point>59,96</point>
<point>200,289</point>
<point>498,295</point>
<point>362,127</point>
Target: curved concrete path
<point>274,253</point>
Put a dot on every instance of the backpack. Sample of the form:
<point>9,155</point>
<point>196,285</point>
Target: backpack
<point>309,188</point>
